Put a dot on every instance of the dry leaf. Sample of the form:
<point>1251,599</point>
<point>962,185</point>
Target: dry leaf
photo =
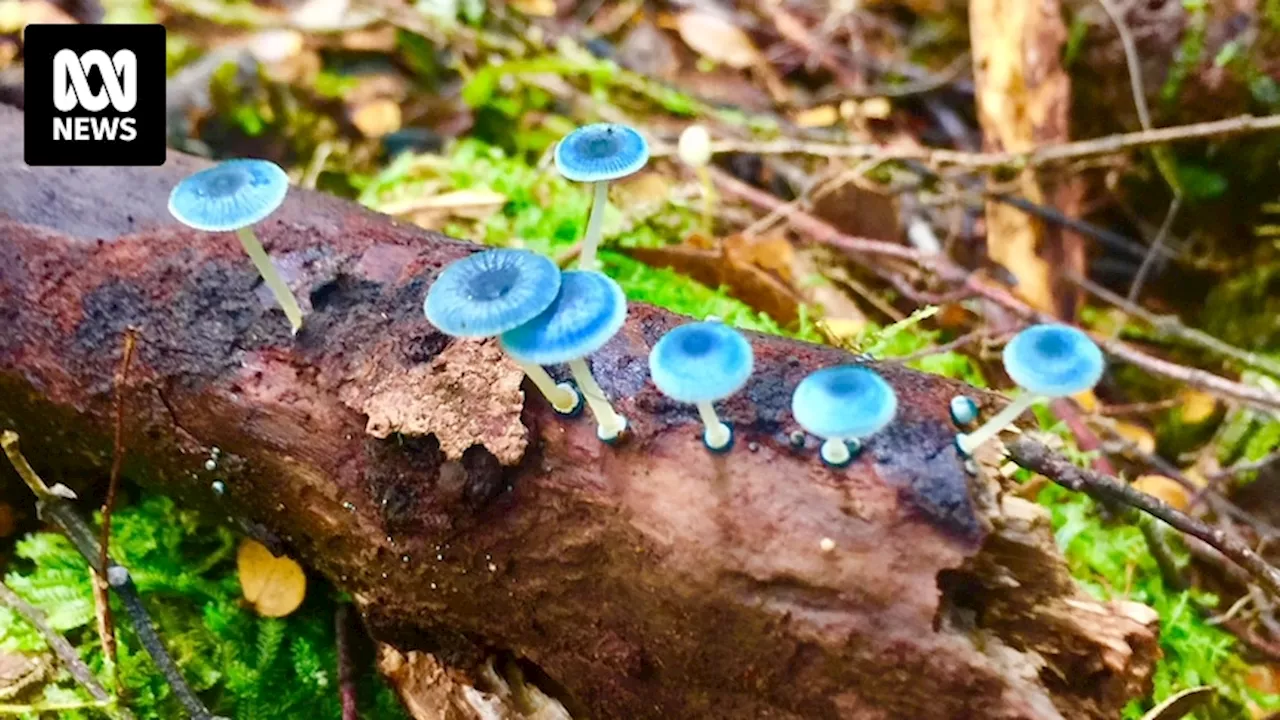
<point>821,116</point>
<point>274,586</point>
<point>715,267</point>
<point>1163,488</point>
<point>876,108</point>
<point>1087,401</point>
<point>1197,406</point>
<point>1137,435</point>
<point>377,117</point>
<point>535,8</point>
<point>716,38</point>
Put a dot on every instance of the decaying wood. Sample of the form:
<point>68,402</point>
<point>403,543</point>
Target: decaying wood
<point>1023,98</point>
<point>646,580</point>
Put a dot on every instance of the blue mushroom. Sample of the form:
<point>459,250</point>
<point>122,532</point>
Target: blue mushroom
<point>1046,361</point>
<point>598,154</point>
<point>842,405</point>
<point>233,195</point>
<point>488,293</point>
<point>700,363</point>
<point>963,410</point>
<point>589,310</point>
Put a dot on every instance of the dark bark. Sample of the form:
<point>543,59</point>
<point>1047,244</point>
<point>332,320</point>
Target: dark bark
<point>646,580</point>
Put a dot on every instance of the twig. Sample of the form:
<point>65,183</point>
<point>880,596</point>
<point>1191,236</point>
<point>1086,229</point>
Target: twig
<point>1043,155</point>
<point>1131,60</point>
<point>1171,326</point>
<point>948,271</point>
<point>1157,245</point>
<point>105,625</point>
<point>1244,467</point>
<point>346,670</point>
<point>1037,457</point>
<point>55,507</point>
<point>63,649</point>
<point>966,339</point>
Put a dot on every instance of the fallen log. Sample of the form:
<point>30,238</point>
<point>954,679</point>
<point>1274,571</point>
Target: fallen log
<point>646,580</point>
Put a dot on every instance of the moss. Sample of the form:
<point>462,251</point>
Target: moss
<point>1111,561</point>
<point>244,667</point>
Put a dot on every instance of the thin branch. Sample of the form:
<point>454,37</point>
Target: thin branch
<point>346,669</point>
<point>1171,326</point>
<point>1244,467</point>
<point>53,505</point>
<point>105,625</point>
<point>1157,245</point>
<point>1043,155</point>
<point>1037,457</point>
<point>64,650</point>
<point>1131,60</point>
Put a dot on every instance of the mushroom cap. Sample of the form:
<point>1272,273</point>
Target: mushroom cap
<point>847,401</point>
<point>491,292</point>
<point>1053,360</point>
<point>600,152</point>
<point>230,195</point>
<point>701,362</point>
<point>588,311</point>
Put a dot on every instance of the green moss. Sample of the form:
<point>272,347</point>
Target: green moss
<point>243,666</point>
<point>1111,561</point>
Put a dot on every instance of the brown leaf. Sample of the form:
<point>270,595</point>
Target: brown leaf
<point>820,116</point>
<point>274,586</point>
<point>716,38</point>
<point>860,212</point>
<point>377,117</point>
<point>714,268</point>
<point>1166,489</point>
<point>535,8</point>
<point>649,51</point>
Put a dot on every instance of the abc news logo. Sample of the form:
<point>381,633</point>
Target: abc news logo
<point>94,95</point>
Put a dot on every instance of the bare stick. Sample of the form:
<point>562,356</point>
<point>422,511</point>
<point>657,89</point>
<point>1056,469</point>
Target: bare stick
<point>1037,457</point>
<point>105,626</point>
<point>1171,326</point>
<point>64,650</point>
<point>1043,155</point>
<point>53,506</point>
<point>1131,60</point>
<point>1243,467</point>
<point>346,670</point>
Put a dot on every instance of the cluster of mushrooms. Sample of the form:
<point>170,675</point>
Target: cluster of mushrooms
<point>544,316</point>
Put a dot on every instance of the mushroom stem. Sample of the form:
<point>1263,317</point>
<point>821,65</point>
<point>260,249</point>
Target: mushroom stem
<point>271,277</point>
<point>835,451</point>
<point>562,396</point>
<point>717,434</point>
<point>708,197</point>
<point>969,442</point>
<point>609,423</point>
<point>591,241</point>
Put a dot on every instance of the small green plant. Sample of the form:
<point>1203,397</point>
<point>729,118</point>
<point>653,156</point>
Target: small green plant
<point>245,667</point>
